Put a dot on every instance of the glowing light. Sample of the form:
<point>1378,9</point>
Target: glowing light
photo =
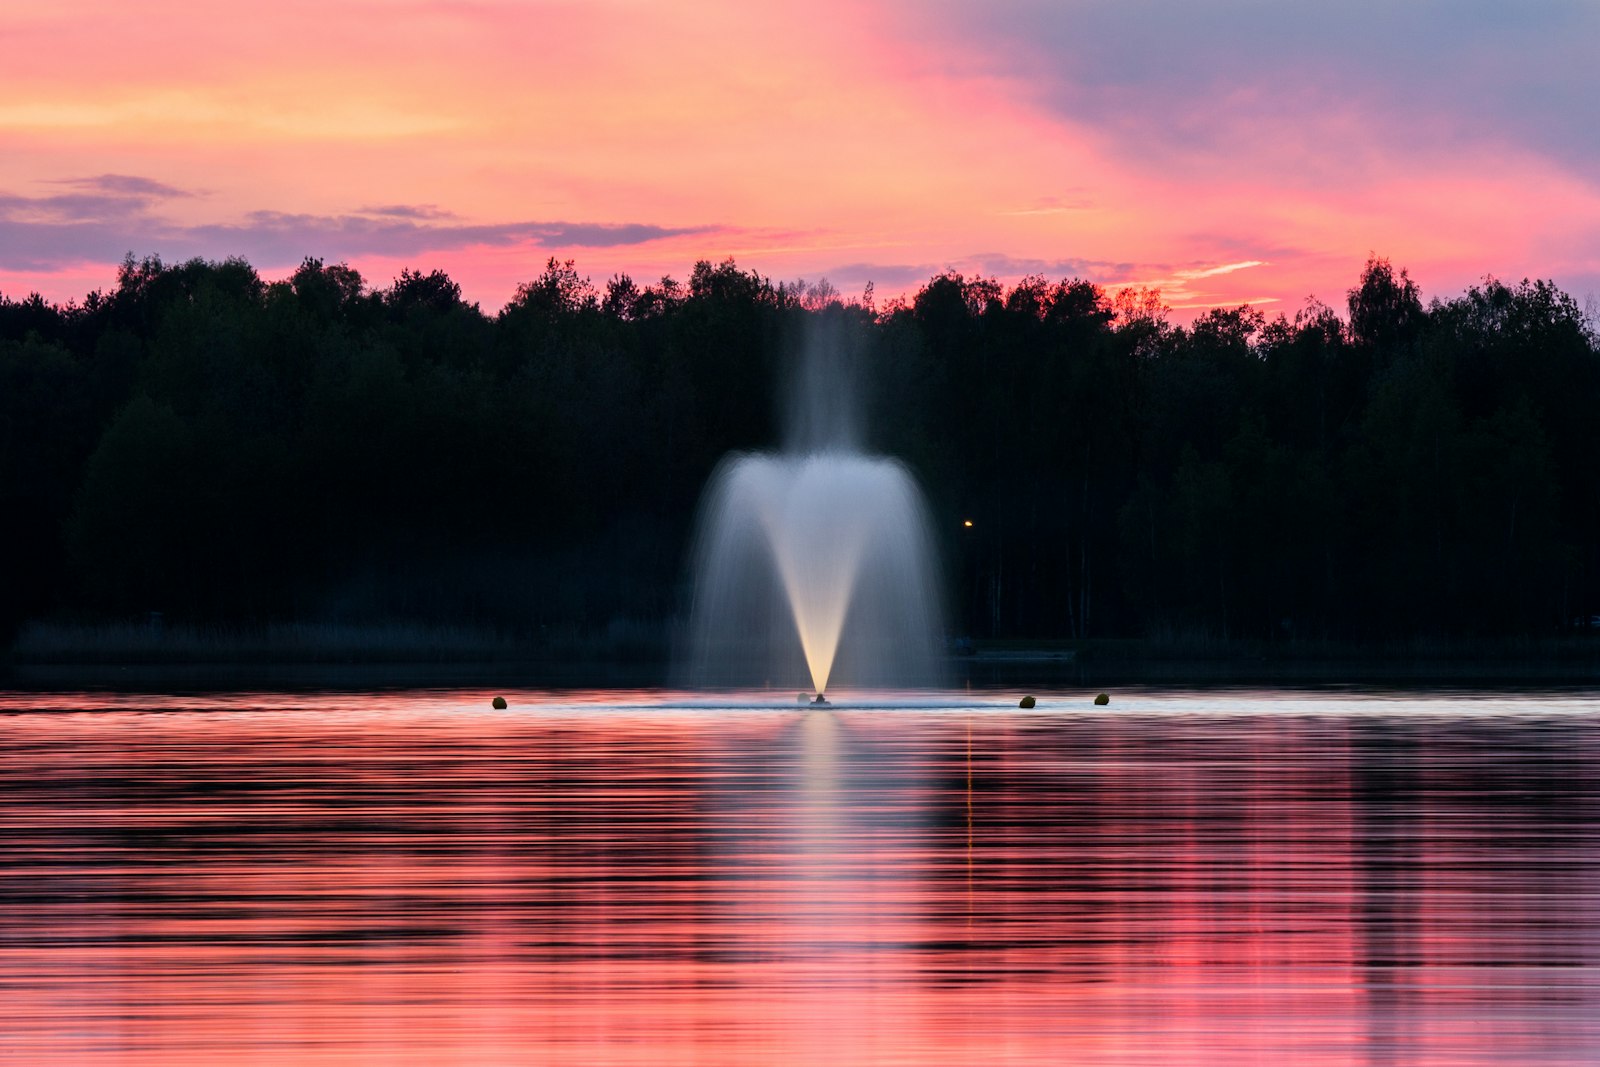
<point>967,523</point>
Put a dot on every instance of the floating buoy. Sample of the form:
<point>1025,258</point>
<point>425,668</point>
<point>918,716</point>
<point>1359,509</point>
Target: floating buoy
<point>1102,700</point>
<point>498,703</point>
<point>1026,702</point>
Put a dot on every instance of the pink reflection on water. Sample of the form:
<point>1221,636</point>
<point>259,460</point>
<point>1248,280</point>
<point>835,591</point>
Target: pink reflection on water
<point>598,879</point>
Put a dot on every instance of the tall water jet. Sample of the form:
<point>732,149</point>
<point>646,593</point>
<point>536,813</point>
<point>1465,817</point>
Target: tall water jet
<point>814,563</point>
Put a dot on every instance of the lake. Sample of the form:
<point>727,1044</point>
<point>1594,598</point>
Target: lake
<point>655,878</point>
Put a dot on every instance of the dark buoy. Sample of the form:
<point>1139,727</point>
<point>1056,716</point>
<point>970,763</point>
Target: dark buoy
<point>498,703</point>
<point>801,698</point>
<point>821,702</point>
<point>1102,700</point>
<point>1025,702</point>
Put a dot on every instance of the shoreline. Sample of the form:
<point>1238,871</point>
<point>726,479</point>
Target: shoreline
<point>962,674</point>
<point>301,655</point>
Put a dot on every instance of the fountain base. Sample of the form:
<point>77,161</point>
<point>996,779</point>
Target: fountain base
<point>821,702</point>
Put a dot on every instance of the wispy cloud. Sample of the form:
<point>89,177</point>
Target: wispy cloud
<point>1103,271</point>
<point>69,208</point>
<point>100,199</point>
<point>1212,272</point>
<point>1052,205</point>
<point>421,212</point>
<point>889,277</point>
<point>341,120</point>
<point>117,213</point>
<point>127,185</point>
<point>1207,305</point>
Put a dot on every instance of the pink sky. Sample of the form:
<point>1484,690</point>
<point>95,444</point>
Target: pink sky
<point>1223,153</point>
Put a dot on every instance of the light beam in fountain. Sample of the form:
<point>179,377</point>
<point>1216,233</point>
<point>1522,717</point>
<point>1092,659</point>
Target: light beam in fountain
<point>815,562</point>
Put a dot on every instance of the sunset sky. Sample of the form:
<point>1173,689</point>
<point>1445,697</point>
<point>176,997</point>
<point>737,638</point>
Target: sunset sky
<point>1224,151</point>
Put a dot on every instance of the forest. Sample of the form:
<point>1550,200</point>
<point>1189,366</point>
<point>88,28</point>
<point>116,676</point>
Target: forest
<point>225,450</point>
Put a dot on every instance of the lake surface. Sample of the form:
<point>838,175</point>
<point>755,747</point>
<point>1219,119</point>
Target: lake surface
<point>646,878</point>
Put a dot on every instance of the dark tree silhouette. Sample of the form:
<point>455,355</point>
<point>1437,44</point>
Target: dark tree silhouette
<point>199,442</point>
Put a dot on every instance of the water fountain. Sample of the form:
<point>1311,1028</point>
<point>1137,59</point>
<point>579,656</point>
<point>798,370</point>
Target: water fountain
<point>815,562</point>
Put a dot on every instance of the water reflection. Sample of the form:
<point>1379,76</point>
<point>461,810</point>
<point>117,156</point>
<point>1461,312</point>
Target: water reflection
<point>411,878</point>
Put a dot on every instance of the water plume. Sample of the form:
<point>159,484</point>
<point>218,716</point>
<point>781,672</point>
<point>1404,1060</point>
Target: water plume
<point>814,562</point>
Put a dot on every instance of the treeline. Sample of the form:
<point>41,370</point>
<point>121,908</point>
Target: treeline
<point>221,449</point>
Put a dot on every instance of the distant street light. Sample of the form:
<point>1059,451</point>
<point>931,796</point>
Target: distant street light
<point>967,523</point>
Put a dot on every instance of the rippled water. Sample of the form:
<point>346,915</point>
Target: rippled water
<point>626,878</point>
